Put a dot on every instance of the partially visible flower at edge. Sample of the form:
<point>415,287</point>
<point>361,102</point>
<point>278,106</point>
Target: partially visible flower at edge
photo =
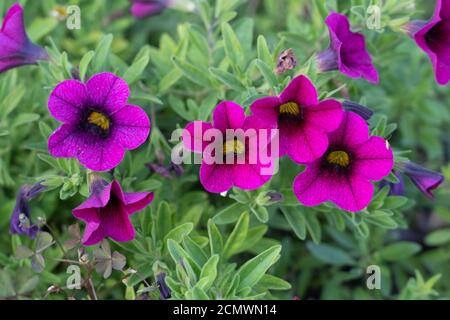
<point>433,37</point>
<point>164,290</point>
<point>395,189</point>
<point>144,8</point>
<point>344,173</point>
<point>347,52</point>
<point>20,219</point>
<point>424,179</point>
<point>16,49</point>
<point>107,212</point>
<point>98,124</point>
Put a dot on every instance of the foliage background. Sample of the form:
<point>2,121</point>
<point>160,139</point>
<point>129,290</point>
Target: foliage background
<point>179,65</point>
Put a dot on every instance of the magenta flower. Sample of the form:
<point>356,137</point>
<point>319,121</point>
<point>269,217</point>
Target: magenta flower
<point>144,8</point>
<point>98,124</point>
<point>424,179</point>
<point>251,171</point>
<point>15,48</point>
<point>302,121</point>
<point>107,212</point>
<point>347,52</point>
<point>344,173</point>
<point>433,37</point>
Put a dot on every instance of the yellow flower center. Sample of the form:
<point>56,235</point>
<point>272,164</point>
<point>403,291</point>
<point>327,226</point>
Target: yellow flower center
<point>233,146</point>
<point>99,119</point>
<point>340,158</point>
<point>290,108</point>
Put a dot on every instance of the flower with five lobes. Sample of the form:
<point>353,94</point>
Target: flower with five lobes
<point>15,48</point>
<point>303,121</point>
<point>235,149</point>
<point>107,212</point>
<point>347,52</point>
<point>343,174</point>
<point>433,37</point>
<point>98,124</point>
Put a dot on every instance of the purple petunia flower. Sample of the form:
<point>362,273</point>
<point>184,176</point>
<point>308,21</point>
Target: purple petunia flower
<point>164,290</point>
<point>15,48</point>
<point>98,124</point>
<point>344,173</point>
<point>107,212</point>
<point>302,120</point>
<point>424,179</point>
<point>347,52</point>
<point>144,8</point>
<point>20,220</point>
<point>433,37</point>
<point>250,173</point>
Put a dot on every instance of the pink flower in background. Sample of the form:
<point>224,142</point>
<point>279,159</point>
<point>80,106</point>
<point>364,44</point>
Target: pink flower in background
<point>347,52</point>
<point>15,48</point>
<point>343,175</point>
<point>424,179</point>
<point>107,212</point>
<point>98,124</point>
<point>220,177</point>
<point>144,8</point>
<point>433,37</point>
<point>302,120</point>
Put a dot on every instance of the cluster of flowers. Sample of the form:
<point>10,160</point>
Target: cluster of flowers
<point>98,125</point>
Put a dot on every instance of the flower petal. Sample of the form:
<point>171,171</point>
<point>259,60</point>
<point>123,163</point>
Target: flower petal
<point>327,115</point>
<point>107,92</point>
<point>266,109</point>
<point>99,154</point>
<point>250,176</point>
<point>136,201</point>
<point>300,90</point>
<point>131,127</point>
<point>311,186</point>
<point>93,234</point>
<point>64,142</point>
<point>351,193</point>
<point>12,26</point>
<point>373,159</point>
<point>216,177</point>
<point>115,221</point>
<point>303,143</point>
<point>67,101</point>
<point>228,115</point>
<point>352,131</point>
<point>193,136</point>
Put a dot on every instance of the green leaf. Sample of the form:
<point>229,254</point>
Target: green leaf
<point>84,64</point>
<point>178,233</point>
<point>24,118</point>
<point>237,236</point>
<point>41,27</point>
<point>313,226</point>
<point>138,66</point>
<point>233,48</point>
<point>438,237</point>
<point>102,53</point>
<point>215,238</point>
<point>253,270</point>
<point>228,79</point>
<point>229,214</point>
<point>192,72</point>
<point>163,220</point>
<point>209,271</point>
<point>296,220</point>
<point>399,251</point>
<point>43,241</point>
<point>263,51</point>
<point>330,254</point>
<point>266,72</point>
<point>260,213</point>
<point>170,79</point>
<point>269,282</point>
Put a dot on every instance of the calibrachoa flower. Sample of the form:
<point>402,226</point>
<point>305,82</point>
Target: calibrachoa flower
<point>15,48</point>
<point>98,124</point>
<point>343,174</point>
<point>347,52</point>
<point>395,189</point>
<point>433,37</point>
<point>20,220</point>
<point>164,290</point>
<point>424,179</point>
<point>144,8</point>
<point>220,176</point>
<point>302,120</point>
<point>107,212</point>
